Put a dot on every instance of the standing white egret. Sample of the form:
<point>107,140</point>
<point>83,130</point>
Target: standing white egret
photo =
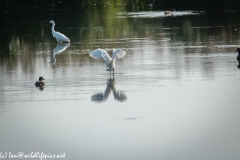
<point>110,62</point>
<point>59,36</point>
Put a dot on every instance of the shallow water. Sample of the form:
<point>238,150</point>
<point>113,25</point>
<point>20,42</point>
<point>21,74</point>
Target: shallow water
<point>174,95</point>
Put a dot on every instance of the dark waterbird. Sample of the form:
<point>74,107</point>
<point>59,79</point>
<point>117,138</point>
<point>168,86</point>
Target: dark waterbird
<point>40,83</point>
<point>238,57</point>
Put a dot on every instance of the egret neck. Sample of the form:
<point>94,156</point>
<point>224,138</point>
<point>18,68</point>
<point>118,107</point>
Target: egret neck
<point>53,25</point>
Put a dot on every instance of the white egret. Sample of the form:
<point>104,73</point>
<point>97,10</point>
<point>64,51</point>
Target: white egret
<point>59,36</point>
<point>110,62</point>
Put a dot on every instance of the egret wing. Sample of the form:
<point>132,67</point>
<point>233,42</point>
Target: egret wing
<point>118,53</point>
<point>100,53</point>
<point>61,37</point>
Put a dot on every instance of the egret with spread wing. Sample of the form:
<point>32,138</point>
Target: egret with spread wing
<point>110,62</point>
<point>59,36</point>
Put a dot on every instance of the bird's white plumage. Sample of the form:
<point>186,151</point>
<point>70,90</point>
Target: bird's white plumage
<point>100,53</point>
<point>118,53</point>
<point>110,62</point>
<point>59,36</point>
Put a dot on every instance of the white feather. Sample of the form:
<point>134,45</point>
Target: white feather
<point>118,53</point>
<point>100,53</point>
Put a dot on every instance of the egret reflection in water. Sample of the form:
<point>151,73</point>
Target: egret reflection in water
<point>59,49</point>
<point>111,86</point>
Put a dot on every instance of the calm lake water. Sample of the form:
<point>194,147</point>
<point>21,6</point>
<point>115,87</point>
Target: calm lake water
<point>174,96</point>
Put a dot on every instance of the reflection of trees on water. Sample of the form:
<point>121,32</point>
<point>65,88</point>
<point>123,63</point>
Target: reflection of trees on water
<point>14,45</point>
<point>29,44</point>
<point>111,87</point>
<point>101,27</point>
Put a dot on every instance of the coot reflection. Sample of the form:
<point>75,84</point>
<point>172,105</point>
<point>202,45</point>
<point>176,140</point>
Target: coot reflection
<point>111,86</point>
<point>59,49</point>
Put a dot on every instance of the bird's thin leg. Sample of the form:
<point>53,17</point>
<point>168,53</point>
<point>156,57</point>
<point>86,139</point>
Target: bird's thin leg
<point>113,73</point>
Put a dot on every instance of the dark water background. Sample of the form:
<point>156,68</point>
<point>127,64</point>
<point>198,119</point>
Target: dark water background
<point>174,94</point>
